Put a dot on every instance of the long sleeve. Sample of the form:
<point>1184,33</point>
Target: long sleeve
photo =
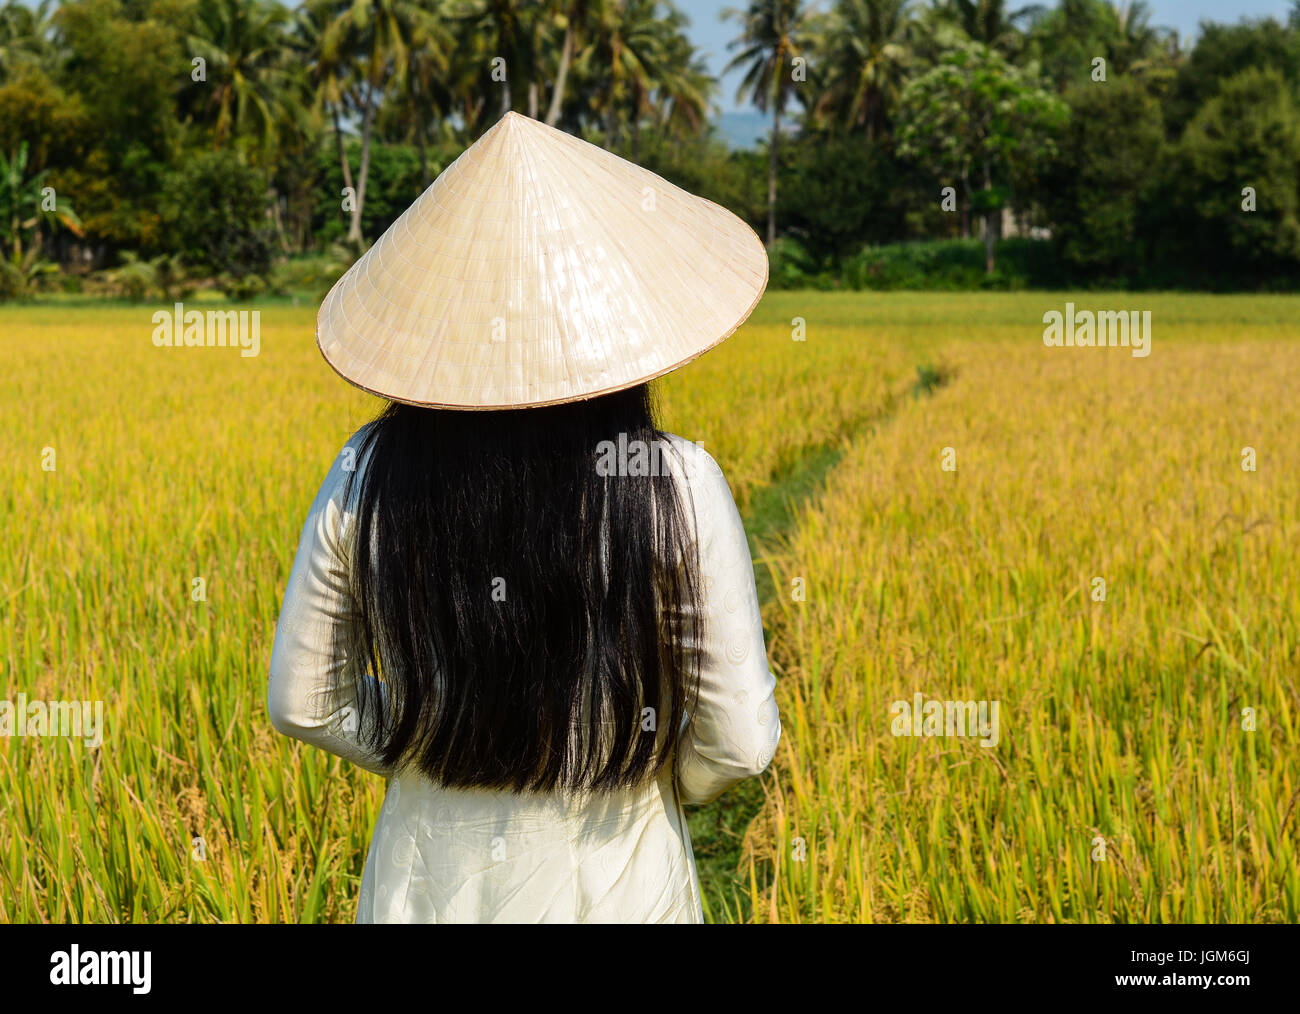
<point>734,730</point>
<point>312,694</point>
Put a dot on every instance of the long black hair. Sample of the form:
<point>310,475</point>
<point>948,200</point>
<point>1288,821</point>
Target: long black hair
<point>533,620</point>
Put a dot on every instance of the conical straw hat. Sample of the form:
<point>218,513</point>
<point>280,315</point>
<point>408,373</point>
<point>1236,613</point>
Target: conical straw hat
<point>539,269</point>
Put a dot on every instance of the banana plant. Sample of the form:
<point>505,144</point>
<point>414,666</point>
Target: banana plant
<point>26,202</point>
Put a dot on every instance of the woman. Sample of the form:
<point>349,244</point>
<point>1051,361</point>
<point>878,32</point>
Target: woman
<point>514,597</point>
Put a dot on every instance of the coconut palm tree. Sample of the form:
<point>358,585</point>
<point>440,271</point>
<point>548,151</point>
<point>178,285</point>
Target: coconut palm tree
<point>572,16</point>
<point>686,86</point>
<point>771,40</point>
<point>499,41</point>
<point>628,62</point>
<point>243,43</point>
<point>989,22</point>
<point>420,93</point>
<point>624,61</point>
<point>330,71</point>
<point>373,39</point>
<point>1137,46</point>
<point>24,35</point>
<point>1071,34</point>
<point>863,57</point>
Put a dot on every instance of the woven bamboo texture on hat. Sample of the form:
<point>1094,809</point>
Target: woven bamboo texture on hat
<point>539,269</point>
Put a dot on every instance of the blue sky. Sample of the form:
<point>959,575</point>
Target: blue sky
<point>711,34</point>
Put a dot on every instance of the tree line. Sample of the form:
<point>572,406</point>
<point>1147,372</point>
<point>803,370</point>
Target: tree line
<point>157,140</point>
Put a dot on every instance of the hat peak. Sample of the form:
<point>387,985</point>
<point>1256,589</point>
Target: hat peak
<point>514,118</point>
<point>508,126</point>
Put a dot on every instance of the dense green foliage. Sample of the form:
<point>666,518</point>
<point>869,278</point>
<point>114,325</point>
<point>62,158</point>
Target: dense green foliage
<point>216,215</point>
<point>227,135</point>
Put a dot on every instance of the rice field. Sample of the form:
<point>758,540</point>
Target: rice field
<point>933,496</point>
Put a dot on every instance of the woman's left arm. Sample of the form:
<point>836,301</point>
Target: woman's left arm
<point>312,694</point>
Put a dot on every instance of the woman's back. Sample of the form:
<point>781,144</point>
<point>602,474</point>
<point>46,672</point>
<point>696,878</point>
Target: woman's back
<point>456,855</point>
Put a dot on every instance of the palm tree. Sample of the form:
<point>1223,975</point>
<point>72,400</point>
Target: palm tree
<point>329,71</point>
<point>623,63</point>
<point>685,85</point>
<point>863,55</point>
<point>669,83</point>
<point>469,86</point>
<point>243,44</point>
<point>24,35</point>
<point>625,58</point>
<point>1138,45</point>
<point>571,14</point>
<point>989,22</point>
<point>770,40</point>
<point>371,38</point>
<point>1121,31</point>
<point>504,30</point>
<point>299,130</point>
<point>421,91</point>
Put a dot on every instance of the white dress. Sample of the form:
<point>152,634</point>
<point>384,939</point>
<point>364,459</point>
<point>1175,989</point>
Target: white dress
<point>443,855</point>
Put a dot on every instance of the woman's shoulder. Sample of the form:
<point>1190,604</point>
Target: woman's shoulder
<point>340,485</point>
<point>688,459</point>
<point>359,437</point>
<point>706,490</point>
<point>693,466</point>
